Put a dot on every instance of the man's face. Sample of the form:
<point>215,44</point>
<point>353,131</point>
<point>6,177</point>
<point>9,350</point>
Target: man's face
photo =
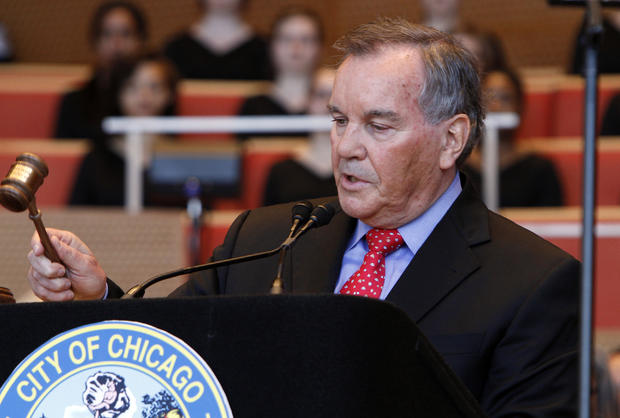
<point>386,157</point>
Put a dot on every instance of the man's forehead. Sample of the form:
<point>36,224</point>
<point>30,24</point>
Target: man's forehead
<point>406,56</point>
<point>384,80</point>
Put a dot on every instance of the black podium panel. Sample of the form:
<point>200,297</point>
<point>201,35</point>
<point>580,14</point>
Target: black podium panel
<point>278,356</point>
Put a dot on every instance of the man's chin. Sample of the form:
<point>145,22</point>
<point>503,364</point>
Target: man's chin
<point>354,205</point>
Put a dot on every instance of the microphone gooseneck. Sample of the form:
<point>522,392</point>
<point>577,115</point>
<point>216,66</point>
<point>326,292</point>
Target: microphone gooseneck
<point>302,214</point>
<point>320,215</point>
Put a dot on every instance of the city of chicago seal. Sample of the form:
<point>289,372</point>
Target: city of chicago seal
<point>113,369</point>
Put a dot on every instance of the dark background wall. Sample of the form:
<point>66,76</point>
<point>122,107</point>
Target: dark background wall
<point>535,34</point>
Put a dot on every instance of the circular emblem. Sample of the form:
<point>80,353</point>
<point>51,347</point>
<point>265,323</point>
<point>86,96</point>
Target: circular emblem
<point>113,369</point>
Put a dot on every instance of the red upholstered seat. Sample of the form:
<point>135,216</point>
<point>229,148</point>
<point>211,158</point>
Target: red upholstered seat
<point>567,156</point>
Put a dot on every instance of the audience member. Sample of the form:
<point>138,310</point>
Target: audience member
<point>220,45</point>
<point>486,47</point>
<point>608,56</point>
<point>6,47</point>
<point>442,14</point>
<point>310,174</point>
<point>604,400</point>
<point>296,39</point>
<point>614,369</point>
<point>611,119</point>
<point>525,179</point>
<point>118,31</point>
<point>147,87</point>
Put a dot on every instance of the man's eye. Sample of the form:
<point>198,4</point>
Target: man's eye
<point>378,128</point>
<point>340,121</point>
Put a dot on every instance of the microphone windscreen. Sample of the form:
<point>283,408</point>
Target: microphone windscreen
<point>301,210</point>
<point>324,212</point>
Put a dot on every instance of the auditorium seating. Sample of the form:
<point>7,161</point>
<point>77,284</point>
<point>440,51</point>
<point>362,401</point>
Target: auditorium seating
<point>554,104</point>
<point>130,248</point>
<point>561,226</point>
<point>567,156</point>
<point>29,96</point>
<point>64,157</point>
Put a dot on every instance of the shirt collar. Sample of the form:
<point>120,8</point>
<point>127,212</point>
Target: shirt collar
<point>416,231</point>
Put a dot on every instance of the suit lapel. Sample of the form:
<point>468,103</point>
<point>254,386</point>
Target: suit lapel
<point>445,259</point>
<point>314,263</point>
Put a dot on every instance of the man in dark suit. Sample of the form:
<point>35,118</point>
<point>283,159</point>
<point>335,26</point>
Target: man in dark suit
<point>498,302</point>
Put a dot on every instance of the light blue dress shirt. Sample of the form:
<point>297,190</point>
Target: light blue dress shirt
<point>414,234</point>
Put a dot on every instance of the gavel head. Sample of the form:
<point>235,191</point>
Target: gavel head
<point>22,182</point>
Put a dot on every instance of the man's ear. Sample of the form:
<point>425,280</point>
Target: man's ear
<point>454,138</point>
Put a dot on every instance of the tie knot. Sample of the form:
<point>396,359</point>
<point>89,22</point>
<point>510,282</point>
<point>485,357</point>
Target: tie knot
<point>383,241</point>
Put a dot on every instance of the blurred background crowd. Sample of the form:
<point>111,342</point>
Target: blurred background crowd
<point>139,52</point>
<point>68,64</point>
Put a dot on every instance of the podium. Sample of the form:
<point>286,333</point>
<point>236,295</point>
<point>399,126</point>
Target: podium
<point>278,356</point>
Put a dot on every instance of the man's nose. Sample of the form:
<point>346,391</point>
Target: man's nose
<point>350,143</point>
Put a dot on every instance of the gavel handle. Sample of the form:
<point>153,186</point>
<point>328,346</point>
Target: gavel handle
<point>49,250</point>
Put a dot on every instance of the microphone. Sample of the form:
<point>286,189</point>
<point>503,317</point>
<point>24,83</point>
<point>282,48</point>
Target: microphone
<point>138,290</point>
<point>321,215</point>
<point>192,189</point>
<point>301,212</point>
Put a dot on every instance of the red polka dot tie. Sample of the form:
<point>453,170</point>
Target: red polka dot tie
<point>368,280</point>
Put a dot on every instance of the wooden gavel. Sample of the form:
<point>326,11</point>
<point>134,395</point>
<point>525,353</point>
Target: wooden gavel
<point>17,194</point>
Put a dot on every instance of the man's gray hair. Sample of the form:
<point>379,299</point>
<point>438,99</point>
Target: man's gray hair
<point>451,82</point>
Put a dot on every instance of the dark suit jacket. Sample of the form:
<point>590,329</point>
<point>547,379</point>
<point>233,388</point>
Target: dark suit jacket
<point>498,302</point>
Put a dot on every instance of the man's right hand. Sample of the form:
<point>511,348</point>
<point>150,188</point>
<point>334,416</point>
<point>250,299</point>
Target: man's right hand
<point>82,278</point>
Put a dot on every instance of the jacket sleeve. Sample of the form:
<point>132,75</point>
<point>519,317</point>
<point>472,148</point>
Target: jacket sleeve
<point>534,368</point>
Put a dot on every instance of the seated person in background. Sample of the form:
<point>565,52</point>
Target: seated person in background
<point>309,174</point>
<point>6,47</point>
<point>609,48</point>
<point>443,15</point>
<point>614,370</point>
<point>146,87</point>
<point>220,45</point>
<point>524,179</point>
<point>604,399</point>
<point>486,47</point>
<point>118,31</point>
<point>296,39</point>
<point>611,119</point>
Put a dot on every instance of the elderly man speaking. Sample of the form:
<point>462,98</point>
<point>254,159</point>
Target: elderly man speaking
<point>498,302</point>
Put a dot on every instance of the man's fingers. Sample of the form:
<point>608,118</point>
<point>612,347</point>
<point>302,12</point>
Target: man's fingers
<point>38,249</point>
<point>44,293</point>
<point>55,285</point>
<point>44,266</point>
<point>70,256</point>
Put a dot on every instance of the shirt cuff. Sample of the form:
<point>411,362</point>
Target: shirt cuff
<point>105,295</point>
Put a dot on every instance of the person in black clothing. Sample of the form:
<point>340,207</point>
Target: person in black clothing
<point>220,45</point>
<point>486,47</point>
<point>118,31</point>
<point>296,39</point>
<point>524,179</point>
<point>309,174</point>
<point>609,48</point>
<point>147,88</point>
<point>611,119</point>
